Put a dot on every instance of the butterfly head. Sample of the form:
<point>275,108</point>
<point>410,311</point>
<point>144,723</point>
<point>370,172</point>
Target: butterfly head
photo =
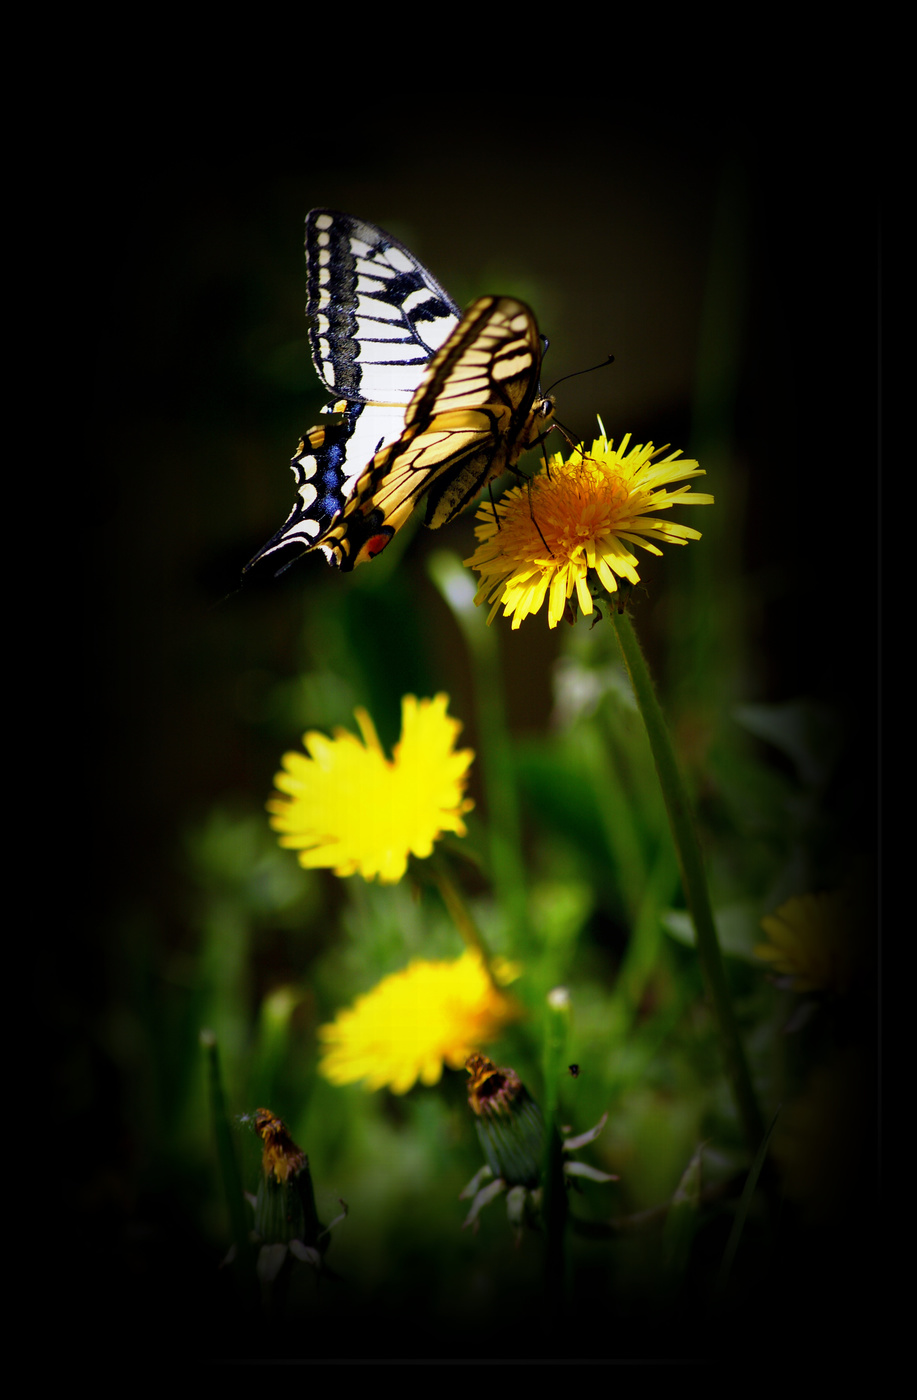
<point>539,424</point>
<point>544,409</point>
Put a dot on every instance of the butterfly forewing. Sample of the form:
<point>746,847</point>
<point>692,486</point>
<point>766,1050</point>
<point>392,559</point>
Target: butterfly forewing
<point>470,420</point>
<point>376,314</point>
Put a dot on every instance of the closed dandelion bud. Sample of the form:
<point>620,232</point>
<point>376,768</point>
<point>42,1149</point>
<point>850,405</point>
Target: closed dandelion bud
<point>508,1120</point>
<point>511,1130</point>
<point>285,1205</point>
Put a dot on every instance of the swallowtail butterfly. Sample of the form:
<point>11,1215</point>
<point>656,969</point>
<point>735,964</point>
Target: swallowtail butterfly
<point>426,402</point>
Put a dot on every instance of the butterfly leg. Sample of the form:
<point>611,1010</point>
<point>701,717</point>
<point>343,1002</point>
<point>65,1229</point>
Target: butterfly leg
<point>534,521</point>
<point>528,482</point>
<point>493,504</point>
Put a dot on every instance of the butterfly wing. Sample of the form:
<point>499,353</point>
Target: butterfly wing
<point>377,316</point>
<point>476,409</point>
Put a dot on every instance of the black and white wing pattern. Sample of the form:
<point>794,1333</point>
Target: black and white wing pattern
<point>425,401</point>
<point>376,317</point>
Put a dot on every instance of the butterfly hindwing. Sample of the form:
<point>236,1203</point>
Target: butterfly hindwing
<point>319,467</point>
<point>425,401</point>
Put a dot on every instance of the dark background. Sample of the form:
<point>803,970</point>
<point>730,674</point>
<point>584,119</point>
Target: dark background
<point>201,384</point>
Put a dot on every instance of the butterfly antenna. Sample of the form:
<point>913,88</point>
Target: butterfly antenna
<point>574,373</point>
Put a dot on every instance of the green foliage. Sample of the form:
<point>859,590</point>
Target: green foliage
<point>569,868</point>
<point>279,950</point>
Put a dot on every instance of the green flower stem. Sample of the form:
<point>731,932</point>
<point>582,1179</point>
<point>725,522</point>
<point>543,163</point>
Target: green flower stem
<point>690,862</point>
<point>459,912</point>
<point>229,1170</point>
<point>557,1025</point>
<point>554,1201</point>
<point>504,819</point>
<point>741,1214</point>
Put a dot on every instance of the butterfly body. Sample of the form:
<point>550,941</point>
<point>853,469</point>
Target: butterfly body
<point>427,402</point>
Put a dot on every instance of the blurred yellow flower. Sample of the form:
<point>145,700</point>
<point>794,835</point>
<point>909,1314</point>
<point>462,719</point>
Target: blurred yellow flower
<point>414,1021</point>
<point>579,518</point>
<point>346,806</point>
<point>811,942</point>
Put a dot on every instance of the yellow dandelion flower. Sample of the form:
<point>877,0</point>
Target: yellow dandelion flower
<point>344,805</point>
<point>811,941</point>
<point>582,515</point>
<point>413,1022</point>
